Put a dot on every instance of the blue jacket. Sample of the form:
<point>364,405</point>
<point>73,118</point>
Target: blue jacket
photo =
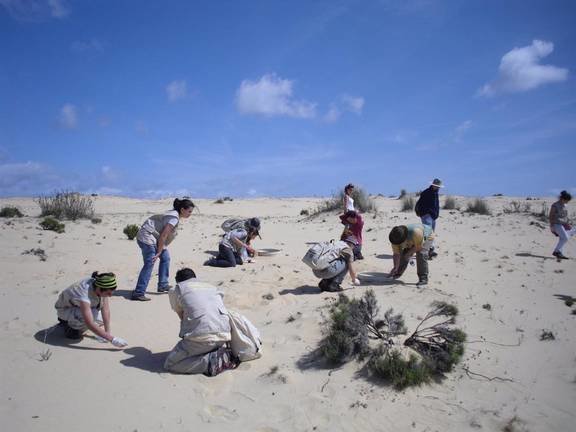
<point>429,203</point>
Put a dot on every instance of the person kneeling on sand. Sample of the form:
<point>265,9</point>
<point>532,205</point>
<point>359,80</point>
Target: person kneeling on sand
<point>204,328</point>
<point>333,275</point>
<point>407,240</point>
<point>559,223</point>
<point>234,248</point>
<point>83,304</point>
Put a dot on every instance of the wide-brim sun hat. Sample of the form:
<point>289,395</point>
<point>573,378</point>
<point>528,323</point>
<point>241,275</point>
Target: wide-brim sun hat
<point>436,182</point>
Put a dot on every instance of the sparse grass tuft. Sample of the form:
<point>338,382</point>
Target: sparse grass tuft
<point>66,205</point>
<point>96,220</point>
<point>517,207</point>
<point>10,212</point>
<point>304,212</point>
<point>449,203</point>
<point>362,202</point>
<point>407,204</point>
<point>131,231</point>
<point>478,206</point>
<point>51,224</point>
<point>542,215</point>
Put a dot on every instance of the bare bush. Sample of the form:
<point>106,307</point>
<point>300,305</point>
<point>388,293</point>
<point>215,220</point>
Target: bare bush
<point>542,215</point>
<point>66,205</point>
<point>517,207</point>
<point>407,204</point>
<point>478,206</point>
<point>450,203</point>
<point>363,202</point>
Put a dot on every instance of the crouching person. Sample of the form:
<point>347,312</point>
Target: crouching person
<point>83,305</point>
<point>330,262</point>
<point>204,328</point>
<point>408,240</point>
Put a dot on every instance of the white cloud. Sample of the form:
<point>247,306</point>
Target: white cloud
<point>58,8</point>
<point>353,104</point>
<point>25,178</point>
<point>460,130</point>
<point>35,10</point>
<point>272,96</point>
<point>333,115</point>
<point>177,90</point>
<point>109,174</point>
<point>84,46</point>
<point>68,118</point>
<point>520,70</point>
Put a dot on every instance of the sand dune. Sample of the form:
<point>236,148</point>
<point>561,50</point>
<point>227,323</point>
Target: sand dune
<point>503,261</point>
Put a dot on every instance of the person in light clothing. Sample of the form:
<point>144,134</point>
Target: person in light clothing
<point>559,223</point>
<point>80,306</point>
<point>347,200</point>
<point>156,233</point>
<point>204,328</point>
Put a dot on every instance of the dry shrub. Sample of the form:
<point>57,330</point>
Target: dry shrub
<point>363,202</point>
<point>66,205</point>
<point>517,207</point>
<point>450,203</point>
<point>407,204</point>
<point>478,206</point>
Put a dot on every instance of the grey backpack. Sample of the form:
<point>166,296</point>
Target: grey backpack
<point>321,255</point>
<point>232,224</point>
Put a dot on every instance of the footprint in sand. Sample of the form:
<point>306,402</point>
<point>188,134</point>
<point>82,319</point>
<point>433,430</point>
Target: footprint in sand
<point>218,413</point>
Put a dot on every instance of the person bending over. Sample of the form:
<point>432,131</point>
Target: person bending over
<point>333,275</point>
<point>234,248</point>
<point>406,241</point>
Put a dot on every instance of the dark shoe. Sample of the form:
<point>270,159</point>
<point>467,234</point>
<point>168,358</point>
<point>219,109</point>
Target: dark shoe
<point>333,287</point>
<point>164,289</point>
<point>139,297</point>
<point>432,254</point>
<point>71,333</point>
<point>220,360</point>
<point>323,285</point>
<point>422,282</point>
<point>560,255</point>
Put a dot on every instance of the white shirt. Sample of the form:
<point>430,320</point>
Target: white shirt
<point>349,202</point>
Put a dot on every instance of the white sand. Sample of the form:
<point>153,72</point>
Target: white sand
<point>501,260</point>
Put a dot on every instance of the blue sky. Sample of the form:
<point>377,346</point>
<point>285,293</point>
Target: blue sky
<point>286,98</point>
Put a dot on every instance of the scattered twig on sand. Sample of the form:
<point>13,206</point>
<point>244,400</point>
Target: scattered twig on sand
<point>520,339</point>
<point>328,380</point>
<point>496,378</point>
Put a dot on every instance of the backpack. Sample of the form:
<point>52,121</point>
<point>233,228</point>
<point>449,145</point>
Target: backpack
<point>232,224</point>
<point>321,255</point>
<point>245,342</point>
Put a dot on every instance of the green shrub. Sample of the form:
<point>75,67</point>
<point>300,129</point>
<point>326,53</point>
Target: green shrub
<point>478,206</point>
<point>389,365</point>
<point>407,204</point>
<point>66,205</point>
<point>131,231</point>
<point>403,193</point>
<point>304,212</point>
<point>10,212</point>
<point>431,350</point>
<point>51,224</point>
<point>449,203</point>
<point>96,220</point>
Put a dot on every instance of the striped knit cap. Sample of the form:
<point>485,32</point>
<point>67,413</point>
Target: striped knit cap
<point>105,281</point>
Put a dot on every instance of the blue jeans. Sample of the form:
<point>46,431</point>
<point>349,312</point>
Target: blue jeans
<point>148,252</point>
<point>427,220</point>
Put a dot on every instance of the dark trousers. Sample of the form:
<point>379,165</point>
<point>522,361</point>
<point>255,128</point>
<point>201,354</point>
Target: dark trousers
<point>226,258</point>
<point>421,265</point>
